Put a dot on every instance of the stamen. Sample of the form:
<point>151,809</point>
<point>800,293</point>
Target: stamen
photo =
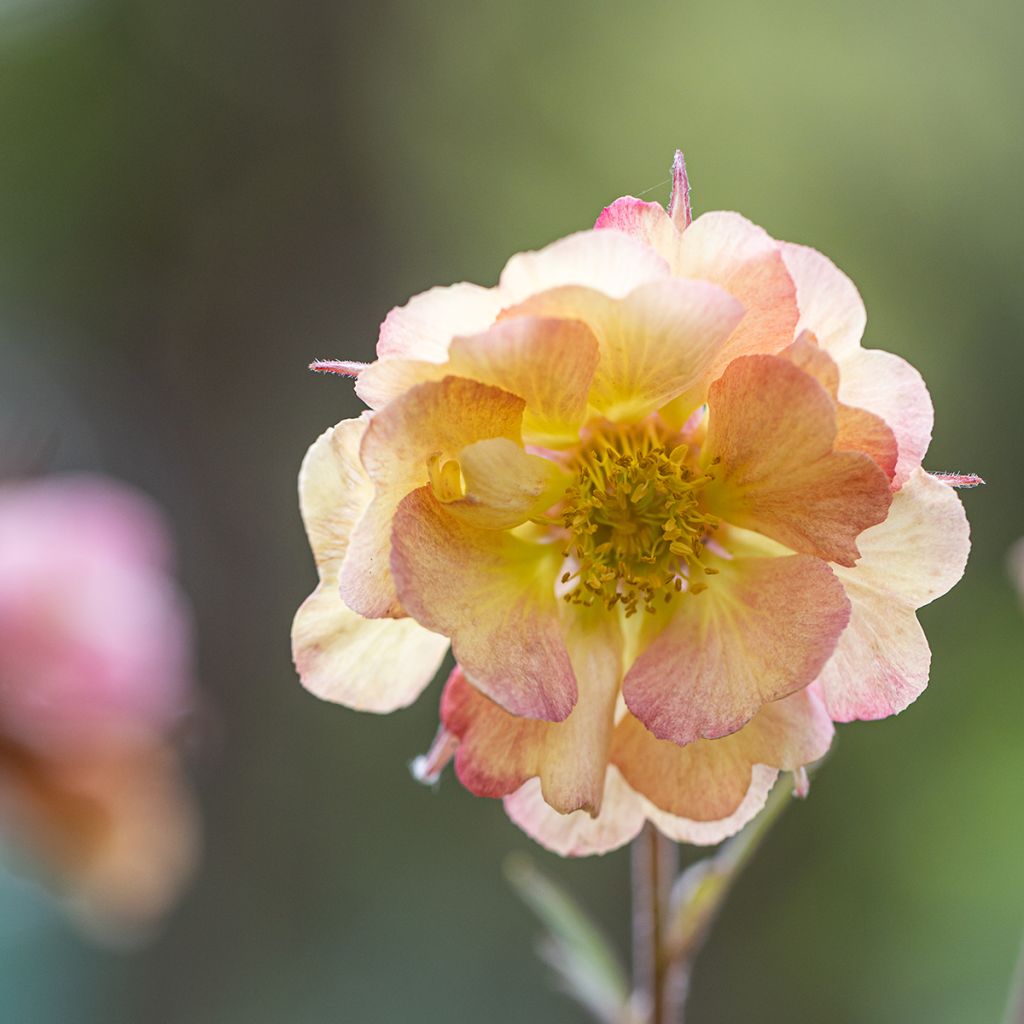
<point>637,526</point>
<point>445,478</point>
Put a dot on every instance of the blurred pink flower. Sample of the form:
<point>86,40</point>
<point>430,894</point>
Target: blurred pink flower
<point>669,512</point>
<point>95,670</point>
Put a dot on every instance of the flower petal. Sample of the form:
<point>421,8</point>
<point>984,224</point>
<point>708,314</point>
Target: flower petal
<point>891,388</point>
<point>607,261</point>
<point>493,594</point>
<point>771,433</point>
<point>647,222</point>
<point>439,419</point>
<point>763,629</point>
<point>383,381</point>
<point>709,779</point>
<point>498,752</point>
<point>655,344</point>
<point>708,833</point>
<point>578,834</point>
<point>371,665</point>
<point>368,664</point>
<point>881,662</point>
<point>423,327</point>
<point>549,363</point>
<point>504,485</point>
<point>830,305</point>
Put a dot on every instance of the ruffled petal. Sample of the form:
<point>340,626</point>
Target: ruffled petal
<point>608,261</point>
<point>493,594</point>
<point>709,779</point>
<point>371,665</point>
<point>830,305</point>
<point>432,421</point>
<point>881,662</point>
<point>891,388</point>
<point>424,326</point>
<point>762,630</point>
<point>771,437</point>
<point>655,344</point>
<point>498,752</point>
<point>708,833</point>
<point>578,834</point>
<point>646,222</point>
<point>548,362</point>
<point>368,664</point>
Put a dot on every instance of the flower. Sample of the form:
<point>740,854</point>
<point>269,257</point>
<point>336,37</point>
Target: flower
<point>669,513</point>
<point>95,642</point>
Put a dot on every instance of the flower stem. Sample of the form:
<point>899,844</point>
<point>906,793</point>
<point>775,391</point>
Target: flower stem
<point>655,861</point>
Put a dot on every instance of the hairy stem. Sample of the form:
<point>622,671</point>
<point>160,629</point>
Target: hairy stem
<point>655,861</point>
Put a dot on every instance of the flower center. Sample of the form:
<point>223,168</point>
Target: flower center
<point>636,523</point>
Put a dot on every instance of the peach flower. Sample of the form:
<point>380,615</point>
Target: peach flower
<point>95,643</point>
<point>668,512</point>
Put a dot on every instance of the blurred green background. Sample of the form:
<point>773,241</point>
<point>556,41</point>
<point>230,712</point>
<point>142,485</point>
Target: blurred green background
<point>196,198</point>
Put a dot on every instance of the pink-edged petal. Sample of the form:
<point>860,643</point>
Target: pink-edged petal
<point>646,222</point>
<point>857,430</point>
<point>505,486</point>
<point>433,420</point>
<point>708,833</point>
<point>493,594</point>
<point>578,834</point>
<point>830,305</point>
<point>498,752</point>
<point>709,779</point>
<point>424,326</point>
<point>607,261</point>
<point>548,362</point>
<point>656,344</point>
<point>763,629</point>
<point>881,662</point>
<point>371,665</point>
<point>891,388</point>
<point>771,441</point>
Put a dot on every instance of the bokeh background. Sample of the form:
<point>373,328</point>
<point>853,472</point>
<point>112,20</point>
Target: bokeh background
<point>198,197</point>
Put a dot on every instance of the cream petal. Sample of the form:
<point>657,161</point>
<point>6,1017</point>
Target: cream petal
<point>437,419</point>
<point>830,305</point>
<point>607,261</point>
<point>881,662</point>
<point>424,326</point>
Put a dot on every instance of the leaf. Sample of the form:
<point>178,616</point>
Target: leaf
<point>574,945</point>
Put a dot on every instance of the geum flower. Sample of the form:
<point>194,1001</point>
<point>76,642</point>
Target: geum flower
<point>95,674</point>
<point>668,511</point>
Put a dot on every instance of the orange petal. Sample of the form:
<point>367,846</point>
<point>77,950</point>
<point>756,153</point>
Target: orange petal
<point>548,362</point>
<point>857,430</point>
<point>881,662</point>
<point>655,344</point>
<point>709,779</point>
<point>771,436</point>
<point>891,388</point>
<point>498,752</point>
<point>762,630</point>
<point>730,251</point>
<point>437,419</point>
<point>493,594</point>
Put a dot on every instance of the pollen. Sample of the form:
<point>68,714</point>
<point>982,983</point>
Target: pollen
<point>636,523</point>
